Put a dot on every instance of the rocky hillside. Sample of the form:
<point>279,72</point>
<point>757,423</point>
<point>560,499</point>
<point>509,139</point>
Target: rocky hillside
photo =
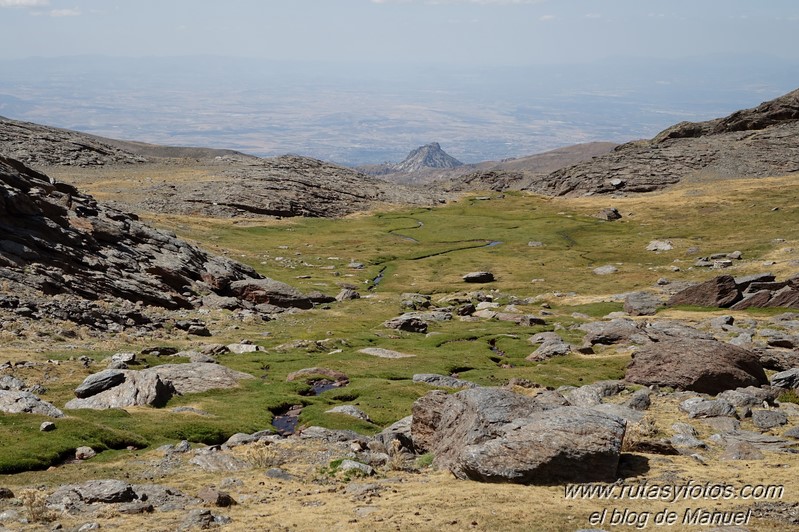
<point>282,186</point>
<point>62,253</point>
<point>754,142</point>
<point>224,182</point>
<point>422,164</point>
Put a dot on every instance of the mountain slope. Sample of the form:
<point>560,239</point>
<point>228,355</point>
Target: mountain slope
<point>200,181</point>
<point>757,142</point>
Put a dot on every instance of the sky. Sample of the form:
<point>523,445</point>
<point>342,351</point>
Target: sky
<point>455,32</point>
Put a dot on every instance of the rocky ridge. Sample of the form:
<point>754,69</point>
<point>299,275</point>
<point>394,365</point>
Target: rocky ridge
<point>80,255</point>
<point>756,142</point>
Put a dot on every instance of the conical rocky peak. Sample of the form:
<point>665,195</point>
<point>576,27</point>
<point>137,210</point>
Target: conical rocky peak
<point>427,156</point>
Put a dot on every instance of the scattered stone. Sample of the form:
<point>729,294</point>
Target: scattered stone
<point>215,461</point>
<point>84,453</point>
<point>407,323</point>
<point>347,294</point>
<point>642,304</point>
<point>242,348</point>
<point>214,497</point>
<point>609,214</point>
<point>9,382</point>
<point>351,465</point>
<point>384,353</point>
<point>307,373</point>
<point>768,419</point>
<point>606,270</point>
<point>47,426</point>
<point>479,277</point>
<point>442,381</point>
<point>660,245</point>
<point>351,411</point>
<point>741,450</point>
<point>6,493</point>
<point>698,407</point>
<point>550,348</point>
<point>640,400</point>
<point>620,330</point>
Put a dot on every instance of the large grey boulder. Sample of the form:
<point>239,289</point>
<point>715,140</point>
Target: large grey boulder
<point>620,330</point>
<point>704,366</point>
<point>495,435</point>
<point>99,382</point>
<point>443,381</point>
<point>94,491</point>
<point>155,386</point>
<point>698,407</point>
<point>21,402</point>
<point>139,388</point>
<point>642,304</point>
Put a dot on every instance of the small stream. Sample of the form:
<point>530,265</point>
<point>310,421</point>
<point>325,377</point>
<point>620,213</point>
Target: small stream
<point>286,419</point>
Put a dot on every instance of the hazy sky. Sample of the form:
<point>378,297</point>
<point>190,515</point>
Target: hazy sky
<point>462,32</point>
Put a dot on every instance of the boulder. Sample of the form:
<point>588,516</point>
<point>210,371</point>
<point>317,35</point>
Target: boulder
<point>384,353</point>
<point>198,377</point>
<point>704,366</point>
<point>609,214</point>
<point>19,402</point>
<point>307,373</point>
<point>721,291</point>
<point>270,292</point>
<point>93,491</point>
<point>620,330</point>
<point>442,381</point>
<point>494,435</point>
<point>479,277</point>
<point>660,245</point>
<point>349,410</point>
<point>788,379</point>
<point>698,407</point>
<point>139,388</point>
<point>347,294</point>
<point>99,382</point>
<point>768,419</point>
<point>641,304</point>
<point>550,348</point>
<point>407,323</point>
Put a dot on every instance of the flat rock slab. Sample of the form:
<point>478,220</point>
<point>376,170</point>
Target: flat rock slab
<point>384,353</point>
<point>479,277</point>
<point>349,410</point>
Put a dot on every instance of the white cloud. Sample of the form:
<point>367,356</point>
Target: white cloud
<point>24,3</point>
<point>547,18</point>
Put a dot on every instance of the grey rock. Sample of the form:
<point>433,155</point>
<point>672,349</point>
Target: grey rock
<point>660,245</point>
<point>620,330</point>
<point>640,400</point>
<point>687,441</point>
<point>407,323</point>
<point>47,426</point>
<point>642,304</point>
<point>270,292</point>
<point>278,474</point>
<point>698,407</point>
<point>216,461</point>
<point>214,497</point>
<point>718,292</point>
<point>347,294</point>
<point>768,419</point>
<point>495,435</point>
<point>84,453</point>
<point>94,491</point>
<point>198,377</point>
<point>584,396</point>
<point>621,411</point>
<point>99,382</point>
<point>241,349</point>
<point>330,435</point>
<point>400,431</point>
<point>549,349</point>
<point>479,277</point>
<point>792,433</point>
<point>139,388</point>
<point>349,410</point>
<point>605,270</point>
<point>239,439</point>
<point>384,353</point>
<point>763,442</point>
<point>17,402</point>
<point>443,381</point>
<point>786,379</point>
<point>684,429</point>
<point>741,450</point>
<point>722,424</point>
<point>11,383</point>
<point>353,466</point>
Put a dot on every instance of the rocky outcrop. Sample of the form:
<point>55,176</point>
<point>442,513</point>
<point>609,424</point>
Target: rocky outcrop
<point>495,435</point>
<point>725,291</point>
<point>59,243</point>
<point>750,143</point>
<point>151,386</point>
<point>705,366</point>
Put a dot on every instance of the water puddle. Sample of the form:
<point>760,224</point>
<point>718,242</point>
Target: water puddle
<point>377,280</point>
<point>285,421</point>
<point>492,345</point>
<point>321,386</point>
